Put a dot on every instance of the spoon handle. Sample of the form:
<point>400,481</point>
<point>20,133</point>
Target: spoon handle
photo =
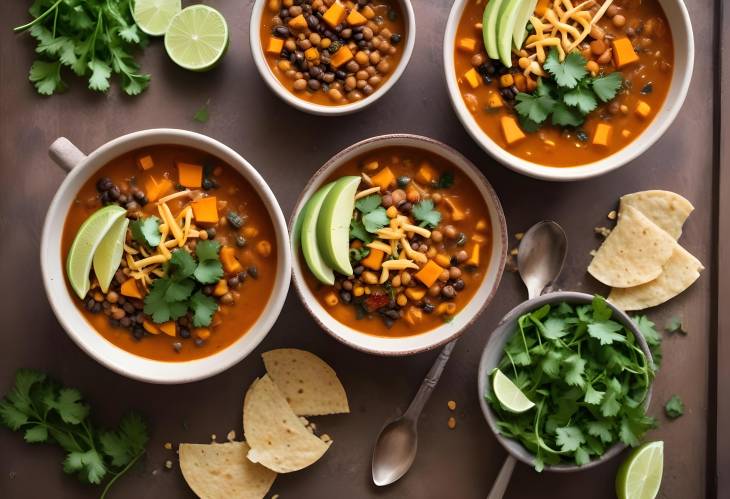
<point>502,481</point>
<point>429,382</point>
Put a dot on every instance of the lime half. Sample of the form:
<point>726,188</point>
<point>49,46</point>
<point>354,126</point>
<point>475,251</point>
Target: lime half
<point>197,38</point>
<point>509,396</point>
<point>154,16</point>
<point>108,255</point>
<point>640,475</point>
<point>88,239</point>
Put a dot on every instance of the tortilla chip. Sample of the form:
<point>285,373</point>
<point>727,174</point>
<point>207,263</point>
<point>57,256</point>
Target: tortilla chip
<point>666,209</point>
<point>680,271</point>
<point>277,437</point>
<point>309,385</point>
<point>633,253</point>
<point>221,471</point>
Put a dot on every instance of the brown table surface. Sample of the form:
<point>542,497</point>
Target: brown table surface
<point>287,147</point>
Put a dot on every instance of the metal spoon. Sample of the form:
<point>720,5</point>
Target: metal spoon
<point>540,260</point>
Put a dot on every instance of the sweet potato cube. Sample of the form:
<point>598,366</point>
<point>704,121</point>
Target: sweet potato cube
<point>311,54</point>
<point>415,294</point>
<point>474,256</point>
<point>384,178</point>
<point>494,101</point>
<point>426,173</point>
<point>275,45</point>
<point>298,23</point>
<point>429,273</point>
<point>169,328</point>
<point>342,56</point>
<point>643,109</point>
<point>230,263</point>
<point>335,14</point>
<point>541,7</point>
<point>472,78</point>
<point>602,135</point>
<point>154,190</point>
<point>623,52</point>
<point>466,44</point>
<point>354,18</point>
<point>221,288</point>
<point>150,327</point>
<point>205,210</point>
<point>374,260</point>
<point>130,289</point>
<point>202,332</point>
<point>190,175</point>
<point>145,162</point>
<point>511,130</point>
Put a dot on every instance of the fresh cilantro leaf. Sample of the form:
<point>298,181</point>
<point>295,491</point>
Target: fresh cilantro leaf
<point>88,465</point>
<point>551,363</point>
<point>593,396</point>
<point>357,231</point>
<point>128,442</point>
<point>357,254</point>
<point>606,331</point>
<point>207,250</point>
<point>425,213</point>
<point>209,269</point>
<point>375,220</point>
<point>69,406</point>
<point>569,438</point>
<point>146,231</point>
<point>568,72</point>
<point>606,87</point>
<point>368,203</point>
<point>582,98</point>
<point>534,107</point>
<point>100,74</point>
<point>203,308</point>
<point>156,304</point>
<point>674,407</point>
<point>179,290</point>
<point>554,328</point>
<point>600,429</point>
<point>574,369</point>
<point>581,456</point>
<point>202,114</point>
<point>528,125</point>
<point>610,405</point>
<point>36,434</point>
<point>46,76</point>
<point>601,310</point>
<point>446,180</point>
<point>182,264</point>
<point>633,425</point>
<point>675,326</point>
<point>565,116</point>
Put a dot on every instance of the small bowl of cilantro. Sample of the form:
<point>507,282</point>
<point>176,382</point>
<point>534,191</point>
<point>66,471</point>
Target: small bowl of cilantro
<point>565,380</point>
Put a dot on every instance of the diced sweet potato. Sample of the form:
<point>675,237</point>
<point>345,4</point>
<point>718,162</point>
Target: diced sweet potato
<point>472,78</point>
<point>374,259</point>
<point>602,135</point>
<point>150,327</point>
<point>466,44</point>
<point>230,263</point>
<point>643,109</point>
<point>298,23</point>
<point>429,273</point>
<point>169,328</point>
<point>334,15</point>
<point>311,54</point>
<point>415,294</point>
<point>130,289</point>
<point>220,288</point>
<point>384,178</point>
<point>202,332</point>
<point>354,18</point>
<point>494,100</point>
<point>426,173</point>
<point>275,45</point>
<point>154,190</point>
<point>506,80</point>
<point>541,7</point>
<point>190,175</point>
<point>145,162</point>
<point>205,210</point>
<point>623,52</point>
<point>511,130</point>
<point>474,256</point>
<point>342,56</point>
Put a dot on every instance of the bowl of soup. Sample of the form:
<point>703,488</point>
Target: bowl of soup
<point>165,254</point>
<point>399,242</point>
<point>564,90</point>
<point>330,57</point>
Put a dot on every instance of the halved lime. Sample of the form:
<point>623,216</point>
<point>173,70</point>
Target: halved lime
<point>88,239</point>
<point>509,396</point>
<point>154,16</point>
<point>197,38</point>
<point>640,475</point>
<point>108,255</point>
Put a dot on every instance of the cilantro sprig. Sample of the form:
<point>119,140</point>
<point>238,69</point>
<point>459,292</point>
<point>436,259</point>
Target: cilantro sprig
<point>47,412</point>
<point>373,216</point>
<point>569,96</point>
<point>425,213</point>
<point>94,39</point>
<point>146,231</point>
<point>587,376</point>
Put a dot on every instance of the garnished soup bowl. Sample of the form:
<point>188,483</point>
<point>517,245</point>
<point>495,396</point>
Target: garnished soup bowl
<point>81,168</point>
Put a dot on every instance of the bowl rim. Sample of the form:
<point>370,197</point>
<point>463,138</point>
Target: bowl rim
<point>85,335</point>
<point>320,109</point>
<point>418,142</point>
<point>503,329</point>
<point>650,135</point>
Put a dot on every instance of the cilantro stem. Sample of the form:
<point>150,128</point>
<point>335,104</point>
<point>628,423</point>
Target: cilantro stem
<point>39,18</point>
<point>119,473</point>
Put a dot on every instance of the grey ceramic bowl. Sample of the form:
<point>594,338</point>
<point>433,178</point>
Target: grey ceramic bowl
<point>493,353</point>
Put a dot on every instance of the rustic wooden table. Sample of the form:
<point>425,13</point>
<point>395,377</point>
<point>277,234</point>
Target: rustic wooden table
<point>287,147</point>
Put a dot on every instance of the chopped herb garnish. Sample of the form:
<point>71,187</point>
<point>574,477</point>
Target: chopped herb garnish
<point>425,214</point>
<point>357,254</point>
<point>203,308</point>
<point>674,407</point>
<point>567,73</point>
<point>375,220</point>
<point>357,231</point>
<point>368,203</point>
<point>675,326</point>
<point>606,87</point>
<point>209,269</point>
<point>202,114</point>
<point>445,180</point>
<point>235,219</point>
<point>146,231</point>
<point>334,46</point>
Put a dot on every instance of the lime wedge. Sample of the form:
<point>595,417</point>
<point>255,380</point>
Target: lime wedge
<point>108,255</point>
<point>88,239</point>
<point>509,396</point>
<point>640,475</point>
<point>197,38</point>
<point>154,16</point>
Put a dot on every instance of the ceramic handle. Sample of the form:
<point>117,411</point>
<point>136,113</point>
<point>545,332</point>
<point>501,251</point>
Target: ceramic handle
<point>429,382</point>
<point>65,154</point>
<point>502,481</point>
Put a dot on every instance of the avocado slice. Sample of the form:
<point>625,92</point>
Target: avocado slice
<point>506,28</point>
<point>489,27</point>
<point>308,235</point>
<point>333,224</point>
<point>526,10</point>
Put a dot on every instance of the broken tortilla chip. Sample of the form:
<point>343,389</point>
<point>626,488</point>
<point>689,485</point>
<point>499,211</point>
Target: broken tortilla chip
<point>276,435</point>
<point>680,272</point>
<point>667,209</point>
<point>308,383</point>
<point>222,471</point>
<point>633,253</point>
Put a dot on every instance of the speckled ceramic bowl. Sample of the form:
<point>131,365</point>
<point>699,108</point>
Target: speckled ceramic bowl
<point>406,345</point>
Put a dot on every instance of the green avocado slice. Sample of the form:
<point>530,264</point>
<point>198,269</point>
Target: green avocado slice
<point>308,234</point>
<point>333,224</point>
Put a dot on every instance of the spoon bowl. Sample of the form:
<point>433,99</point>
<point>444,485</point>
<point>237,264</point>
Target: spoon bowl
<point>541,256</point>
<point>395,451</point>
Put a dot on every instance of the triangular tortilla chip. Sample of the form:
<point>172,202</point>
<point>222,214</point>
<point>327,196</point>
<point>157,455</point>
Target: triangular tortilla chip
<point>680,271</point>
<point>667,209</point>
<point>633,253</point>
<point>309,385</point>
<point>222,471</point>
<point>277,437</point>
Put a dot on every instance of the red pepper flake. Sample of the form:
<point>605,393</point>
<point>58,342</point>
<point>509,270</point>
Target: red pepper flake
<point>375,302</point>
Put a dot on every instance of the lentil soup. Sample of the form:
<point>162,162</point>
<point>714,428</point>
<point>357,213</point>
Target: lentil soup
<point>332,53</point>
<point>428,259</point>
<point>629,38</point>
<point>208,218</point>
